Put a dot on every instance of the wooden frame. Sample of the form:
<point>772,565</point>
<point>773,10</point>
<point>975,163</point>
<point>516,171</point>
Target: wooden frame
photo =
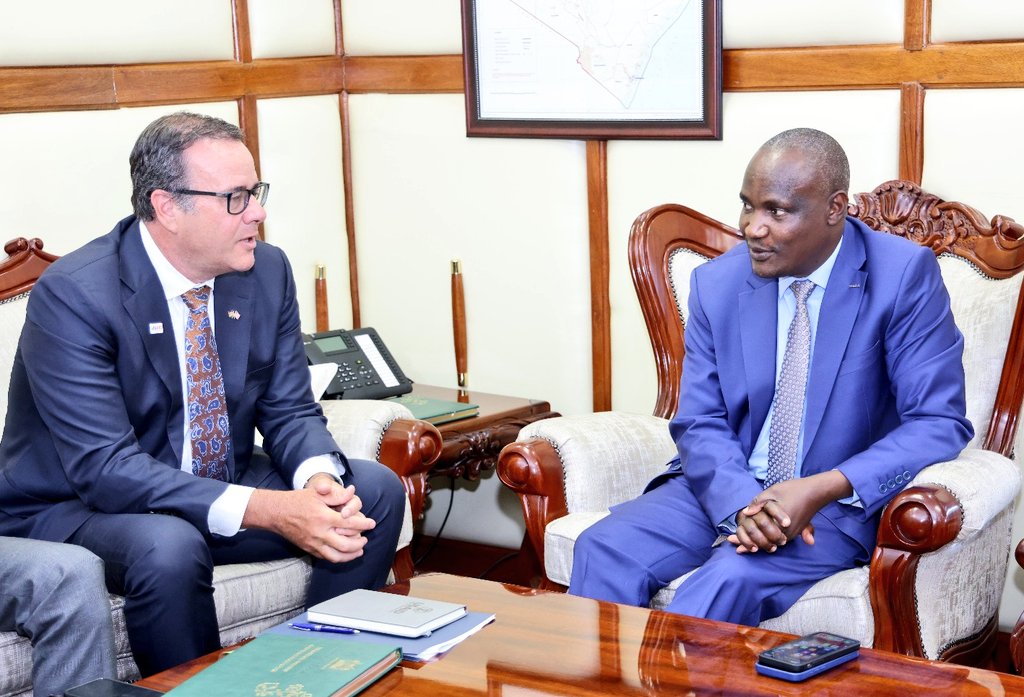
<point>522,115</point>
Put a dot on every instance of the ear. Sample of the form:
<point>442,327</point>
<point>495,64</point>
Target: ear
<point>166,209</point>
<point>837,206</point>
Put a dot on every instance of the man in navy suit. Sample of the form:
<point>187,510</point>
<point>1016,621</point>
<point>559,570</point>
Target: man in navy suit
<point>98,445</point>
<point>883,398</point>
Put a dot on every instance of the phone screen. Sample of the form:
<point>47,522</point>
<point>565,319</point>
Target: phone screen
<point>808,651</point>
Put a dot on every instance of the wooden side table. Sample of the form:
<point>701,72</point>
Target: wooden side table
<point>471,446</point>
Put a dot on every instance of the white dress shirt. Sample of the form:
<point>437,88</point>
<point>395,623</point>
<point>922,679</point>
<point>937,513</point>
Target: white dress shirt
<point>225,517</point>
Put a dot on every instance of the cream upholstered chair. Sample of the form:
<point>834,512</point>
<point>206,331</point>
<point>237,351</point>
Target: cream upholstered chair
<point>934,582</point>
<point>249,597</point>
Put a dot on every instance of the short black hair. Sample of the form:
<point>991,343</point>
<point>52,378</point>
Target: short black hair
<point>828,155</point>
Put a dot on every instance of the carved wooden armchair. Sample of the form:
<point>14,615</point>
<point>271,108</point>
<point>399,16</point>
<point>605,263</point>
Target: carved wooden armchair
<point>934,583</point>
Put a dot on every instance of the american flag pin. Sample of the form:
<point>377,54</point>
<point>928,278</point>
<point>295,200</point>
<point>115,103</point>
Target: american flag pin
<point>156,327</point>
<point>233,314</point>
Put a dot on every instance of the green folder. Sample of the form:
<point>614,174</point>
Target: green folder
<point>276,664</point>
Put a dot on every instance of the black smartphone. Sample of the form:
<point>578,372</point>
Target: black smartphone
<point>807,656</point>
<point>106,687</point>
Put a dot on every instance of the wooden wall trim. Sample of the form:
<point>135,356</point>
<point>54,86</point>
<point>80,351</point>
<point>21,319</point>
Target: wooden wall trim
<point>869,67</point>
<point>60,88</point>
<point>350,211</point>
<point>997,64</point>
<point>600,265</point>
<point>911,132</point>
<point>420,74</point>
<point>917,19</point>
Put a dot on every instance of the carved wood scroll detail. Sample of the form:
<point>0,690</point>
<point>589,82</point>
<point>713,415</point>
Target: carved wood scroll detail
<point>901,208</point>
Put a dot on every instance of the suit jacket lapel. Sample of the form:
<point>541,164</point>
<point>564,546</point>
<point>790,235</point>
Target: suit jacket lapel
<point>144,301</point>
<point>759,307</point>
<point>232,325</point>
<point>839,310</point>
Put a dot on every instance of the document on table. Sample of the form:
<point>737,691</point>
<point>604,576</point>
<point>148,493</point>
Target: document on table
<point>420,649</point>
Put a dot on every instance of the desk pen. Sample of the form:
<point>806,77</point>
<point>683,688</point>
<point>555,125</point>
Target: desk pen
<point>314,627</point>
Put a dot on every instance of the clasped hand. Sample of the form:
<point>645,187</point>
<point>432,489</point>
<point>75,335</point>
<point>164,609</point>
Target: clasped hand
<point>324,518</point>
<point>776,516</point>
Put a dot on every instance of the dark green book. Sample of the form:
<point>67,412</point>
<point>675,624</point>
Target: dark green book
<point>277,664</point>
<point>436,411</point>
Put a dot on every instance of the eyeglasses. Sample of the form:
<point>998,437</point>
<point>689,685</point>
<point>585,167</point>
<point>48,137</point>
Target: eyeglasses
<point>237,201</point>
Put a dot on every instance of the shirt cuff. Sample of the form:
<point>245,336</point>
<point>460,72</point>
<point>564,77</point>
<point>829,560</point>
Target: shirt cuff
<point>328,464</point>
<point>225,516</point>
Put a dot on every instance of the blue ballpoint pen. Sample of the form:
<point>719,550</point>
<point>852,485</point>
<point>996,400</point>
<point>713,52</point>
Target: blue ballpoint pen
<point>313,627</point>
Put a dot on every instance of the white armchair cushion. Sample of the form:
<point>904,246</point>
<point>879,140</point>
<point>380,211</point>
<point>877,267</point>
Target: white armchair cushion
<point>983,309</point>
<point>12,318</point>
<point>560,537</point>
<point>961,583</point>
<point>617,455</point>
<point>357,425</point>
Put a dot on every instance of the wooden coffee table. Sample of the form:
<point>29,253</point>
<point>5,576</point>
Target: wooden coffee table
<point>546,643</point>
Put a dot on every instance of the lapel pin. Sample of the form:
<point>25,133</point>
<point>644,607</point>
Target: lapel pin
<point>156,327</point>
<point>233,314</point>
<point>855,285</point>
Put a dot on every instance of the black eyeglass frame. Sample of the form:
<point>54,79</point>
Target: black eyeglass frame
<point>260,191</point>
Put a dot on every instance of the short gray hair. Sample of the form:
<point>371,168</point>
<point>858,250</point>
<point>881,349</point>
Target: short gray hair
<point>156,160</point>
<point>826,153</point>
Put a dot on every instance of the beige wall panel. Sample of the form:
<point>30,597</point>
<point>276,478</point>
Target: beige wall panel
<point>759,24</point>
<point>970,20</point>
<point>972,139</point>
<point>402,27</point>
<point>300,155</point>
<point>971,136</point>
<point>515,212</point>
<point>65,175</point>
<point>285,29</point>
<point>72,32</point>
<point>706,176</point>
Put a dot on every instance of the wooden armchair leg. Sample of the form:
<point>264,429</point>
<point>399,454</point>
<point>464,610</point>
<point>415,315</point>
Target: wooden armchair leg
<point>409,448</point>
<point>533,470</point>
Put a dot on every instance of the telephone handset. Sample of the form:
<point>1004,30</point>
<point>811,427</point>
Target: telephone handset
<point>366,369</point>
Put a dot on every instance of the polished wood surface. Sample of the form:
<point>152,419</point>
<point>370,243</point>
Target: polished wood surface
<point>471,446</point>
<point>544,643</point>
<point>459,327</point>
<point>600,273</point>
<point>918,520</point>
<point>25,261</point>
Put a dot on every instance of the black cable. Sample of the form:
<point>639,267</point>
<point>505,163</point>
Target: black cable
<point>496,563</point>
<point>437,536</point>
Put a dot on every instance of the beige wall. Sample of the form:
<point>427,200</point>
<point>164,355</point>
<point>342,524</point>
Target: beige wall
<point>515,211</point>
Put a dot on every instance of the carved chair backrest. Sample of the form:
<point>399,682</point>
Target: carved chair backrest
<point>18,272</point>
<point>980,261</point>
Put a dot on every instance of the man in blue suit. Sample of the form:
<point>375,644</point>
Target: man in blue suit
<point>880,396</point>
<point>111,423</point>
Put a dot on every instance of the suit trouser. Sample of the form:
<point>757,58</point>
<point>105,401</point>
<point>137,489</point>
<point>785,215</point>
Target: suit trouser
<point>163,565</point>
<point>53,594</point>
<point>648,542</point>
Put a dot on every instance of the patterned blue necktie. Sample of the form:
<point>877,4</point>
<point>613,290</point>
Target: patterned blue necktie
<point>788,405</point>
<point>209,429</point>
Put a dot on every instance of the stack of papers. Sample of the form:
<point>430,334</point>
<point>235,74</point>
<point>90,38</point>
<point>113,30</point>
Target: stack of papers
<point>417,649</point>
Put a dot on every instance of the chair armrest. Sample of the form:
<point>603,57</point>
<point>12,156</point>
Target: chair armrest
<point>581,463</point>
<point>952,509</point>
<point>385,431</point>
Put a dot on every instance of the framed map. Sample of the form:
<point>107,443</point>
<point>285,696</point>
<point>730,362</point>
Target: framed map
<point>593,68</point>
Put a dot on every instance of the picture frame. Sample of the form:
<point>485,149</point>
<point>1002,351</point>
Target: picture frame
<point>645,69</point>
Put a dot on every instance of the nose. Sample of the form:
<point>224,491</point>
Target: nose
<point>753,225</point>
<point>254,212</point>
